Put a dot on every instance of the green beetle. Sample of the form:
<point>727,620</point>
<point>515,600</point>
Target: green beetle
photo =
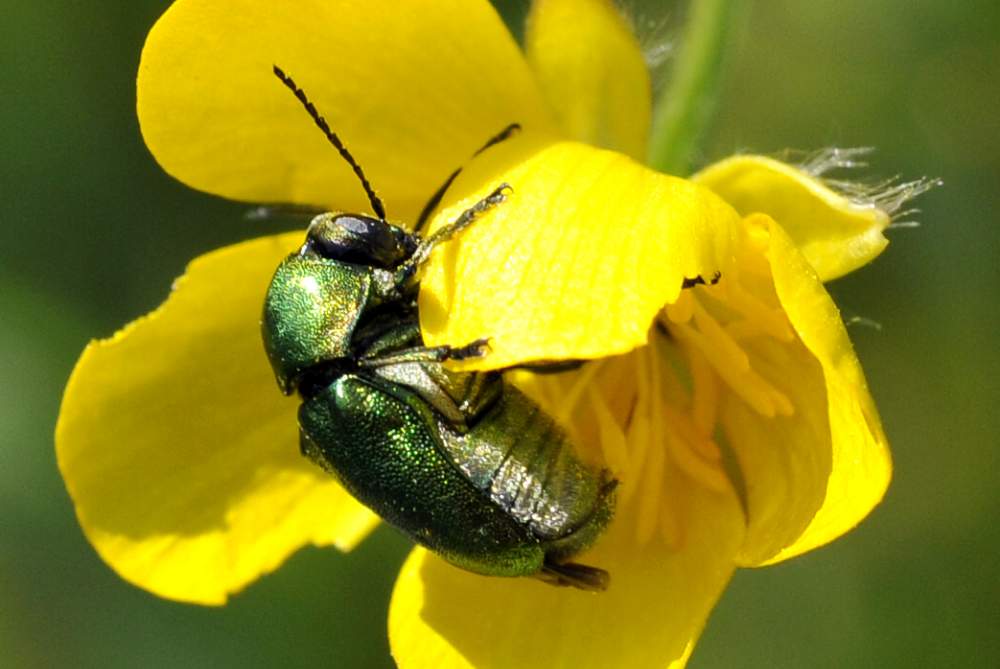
<point>462,462</point>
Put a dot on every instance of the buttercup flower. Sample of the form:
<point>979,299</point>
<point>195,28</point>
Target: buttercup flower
<point>734,413</point>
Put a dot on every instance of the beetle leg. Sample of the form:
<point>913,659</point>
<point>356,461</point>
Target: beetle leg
<point>548,366</point>
<point>476,349</point>
<point>700,281</point>
<point>408,270</point>
<point>577,575</point>
<point>481,390</point>
<point>435,200</point>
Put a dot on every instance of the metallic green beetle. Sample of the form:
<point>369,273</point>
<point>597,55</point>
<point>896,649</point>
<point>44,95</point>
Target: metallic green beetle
<point>462,462</point>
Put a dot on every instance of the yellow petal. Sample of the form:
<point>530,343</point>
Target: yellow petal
<point>412,88</point>
<point>577,262</point>
<point>179,451</point>
<point>860,461</point>
<point>592,72</point>
<point>836,235</point>
<point>816,474</point>
<point>651,615</point>
<point>785,461</point>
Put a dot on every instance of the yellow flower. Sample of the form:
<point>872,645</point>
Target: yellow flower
<point>735,415</point>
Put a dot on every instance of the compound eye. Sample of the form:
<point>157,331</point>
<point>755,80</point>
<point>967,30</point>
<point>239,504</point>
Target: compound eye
<point>359,239</point>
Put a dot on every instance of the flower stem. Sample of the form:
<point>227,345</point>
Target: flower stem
<point>685,107</point>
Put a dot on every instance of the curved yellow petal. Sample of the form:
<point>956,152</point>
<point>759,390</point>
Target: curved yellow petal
<point>785,460</point>
<point>592,72</point>
<point>650,616</point>
<point>179,451</point>
<point>813,475</point>
<point>412,88</point>
<point>578,260</point>
<point>835,234</point>
<point>861,467</point>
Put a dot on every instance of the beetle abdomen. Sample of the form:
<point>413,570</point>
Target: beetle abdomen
<point>381,441</point>
<point>525,462</point>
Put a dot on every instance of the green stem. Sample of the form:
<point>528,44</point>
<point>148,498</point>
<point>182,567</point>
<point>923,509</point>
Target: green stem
<point>685,107</point>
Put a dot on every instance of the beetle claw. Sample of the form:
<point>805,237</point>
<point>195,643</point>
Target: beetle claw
<point>476,349</point>
<point>576,575</point>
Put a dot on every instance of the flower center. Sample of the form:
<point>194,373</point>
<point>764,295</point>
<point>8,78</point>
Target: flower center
<point>652,415</point>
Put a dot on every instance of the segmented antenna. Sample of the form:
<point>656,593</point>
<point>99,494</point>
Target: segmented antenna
<point>435,200</point>
<point>333,139</point>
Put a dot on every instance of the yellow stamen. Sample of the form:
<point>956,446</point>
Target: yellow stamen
<point>568,402</point>
<point>749,386</point>
<point>770,320</point>
<point>705,396</point>
<point>652,489</point>
<point>783,405</point>
<point>671,527</point>
<point>770,360</point>
<point>612,439</point>
<point>681,310</point>
<point>637,438</point>
<point>743,330</point>
<point>683,454</point>
<point>638,433</point>
<point>689,431</point>
<point>721,342</point>
<point>652,416</point>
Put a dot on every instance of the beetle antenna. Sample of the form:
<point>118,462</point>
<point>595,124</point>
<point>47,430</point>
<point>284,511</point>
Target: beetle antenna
<point>435,200</point>
<point>333,139</point>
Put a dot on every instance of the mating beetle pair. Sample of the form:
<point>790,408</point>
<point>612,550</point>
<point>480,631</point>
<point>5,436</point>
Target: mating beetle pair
<point>462,462</point>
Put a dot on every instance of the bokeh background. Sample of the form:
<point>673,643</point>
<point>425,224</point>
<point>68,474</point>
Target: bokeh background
<point>92,233</point>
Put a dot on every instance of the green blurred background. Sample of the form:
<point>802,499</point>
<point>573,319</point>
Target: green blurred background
<point>93,233</point>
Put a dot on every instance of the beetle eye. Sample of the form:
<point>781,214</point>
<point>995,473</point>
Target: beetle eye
<point>358,239</point>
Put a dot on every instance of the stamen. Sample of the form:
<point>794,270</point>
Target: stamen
<point>652,416</point>
<point>681,310</point>
<point>707,449</point>
<point>652,490</point>
<point>671,527</point>
<point>726,347</point>
<point>610,435</point>
<point>683,454</point>
<point>637,440</point>
<point>783,405</point>
<point>746,383</point>
<point>542,389</point>
<point>770,361</point>
<point>638,435</point>
<point>768,319</point>
<point>705,395</point>
<point>569,401</point>
<point>689,432</point>
<point>656,387</point>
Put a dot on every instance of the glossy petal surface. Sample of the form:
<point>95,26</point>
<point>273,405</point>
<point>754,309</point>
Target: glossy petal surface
<point>834,233</point>
<point>413,91</point>
<point>815,474</point>
<point>180,453</point>
<point>577,262</point>
<point>592,72</point>
<point>656,606</point>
